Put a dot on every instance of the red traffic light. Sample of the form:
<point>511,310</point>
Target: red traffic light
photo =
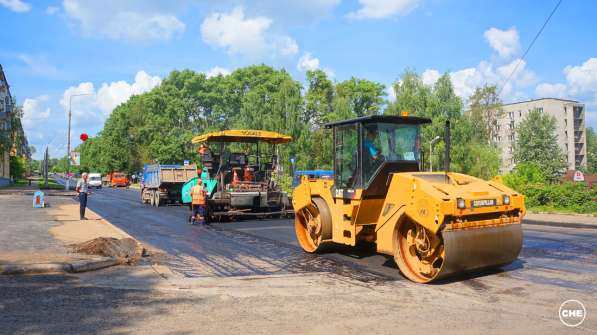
<point>84,137</point>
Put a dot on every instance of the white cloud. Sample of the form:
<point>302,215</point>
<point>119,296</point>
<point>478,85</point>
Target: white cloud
<point>505,42</point>
<point>581,85</point>
<point>217,71</point>
<point>35,112</point>
<point>581,81</point>
<point>16,5</point>
<point>51,10</point>
<point>429,77</point>
<point>391,92</point>
<point>378,9</point>
<point>307,63</point>
<point>545,90</point>
<point>126,20</point>
<point>249,37</point>
<point>95,108</point>
<point>466,80</point>
<point>583,78</point>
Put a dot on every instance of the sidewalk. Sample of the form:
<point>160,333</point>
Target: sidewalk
<point>36,240</point>
<point>561,220</point>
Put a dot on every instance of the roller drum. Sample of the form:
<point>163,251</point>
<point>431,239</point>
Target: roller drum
<point>479,248</point>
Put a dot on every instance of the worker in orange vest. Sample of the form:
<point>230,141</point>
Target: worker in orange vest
<point>198,203</point>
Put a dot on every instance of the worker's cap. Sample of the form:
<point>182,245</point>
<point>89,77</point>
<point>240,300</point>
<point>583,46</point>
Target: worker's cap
<point>199,181</point>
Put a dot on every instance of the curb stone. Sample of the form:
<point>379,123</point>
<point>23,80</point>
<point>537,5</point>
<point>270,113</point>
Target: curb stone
<point>57,268</point>
<point>559,224</point>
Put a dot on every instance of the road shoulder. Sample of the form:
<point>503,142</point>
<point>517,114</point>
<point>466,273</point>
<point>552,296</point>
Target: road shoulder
<point>39,240</point>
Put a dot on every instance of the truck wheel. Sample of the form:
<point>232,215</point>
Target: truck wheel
<point>152,198</point>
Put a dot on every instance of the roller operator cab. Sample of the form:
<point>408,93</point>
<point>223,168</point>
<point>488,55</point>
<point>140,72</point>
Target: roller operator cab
<point>433,224</point>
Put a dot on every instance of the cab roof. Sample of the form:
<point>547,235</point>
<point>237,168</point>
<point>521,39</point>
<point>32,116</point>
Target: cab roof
<point>381,118</point>
<point>243,136</point>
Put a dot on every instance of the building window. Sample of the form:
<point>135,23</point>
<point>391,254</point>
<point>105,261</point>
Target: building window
<point>511,115</point>
<point>540,109</point>
<point>512,137</point>
<point>519,113</point>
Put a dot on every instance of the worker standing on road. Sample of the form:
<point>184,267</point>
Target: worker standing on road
<point>83,190</point>
<point>198,202</point>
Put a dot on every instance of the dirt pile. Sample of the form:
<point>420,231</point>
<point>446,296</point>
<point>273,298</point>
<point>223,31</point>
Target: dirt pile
<point>126,250</point>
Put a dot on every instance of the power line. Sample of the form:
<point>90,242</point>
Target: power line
<point>530,46</point>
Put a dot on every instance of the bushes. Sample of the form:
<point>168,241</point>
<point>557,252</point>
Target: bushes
<point>18,167</point>
<point>529,180</point>
<point>575,197</point>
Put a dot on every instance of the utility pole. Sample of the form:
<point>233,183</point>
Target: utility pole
<point>70,100</point>
<point>45,168</point>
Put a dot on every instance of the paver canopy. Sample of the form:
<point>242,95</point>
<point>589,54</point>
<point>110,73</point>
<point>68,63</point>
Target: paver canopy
<point>243,136</point>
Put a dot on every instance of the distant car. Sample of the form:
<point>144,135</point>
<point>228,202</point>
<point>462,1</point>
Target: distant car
<point>95,180</point>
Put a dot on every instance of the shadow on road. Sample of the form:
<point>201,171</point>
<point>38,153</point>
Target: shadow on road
<point>65,305</point>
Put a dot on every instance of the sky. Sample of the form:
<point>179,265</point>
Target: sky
<point>113,49</point>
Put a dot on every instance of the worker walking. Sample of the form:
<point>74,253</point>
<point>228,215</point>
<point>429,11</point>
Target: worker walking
<point>198,203</point>
<point>83,190</point>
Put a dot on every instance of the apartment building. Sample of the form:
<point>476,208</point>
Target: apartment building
<point>570,129</point>
<point>6,109</point>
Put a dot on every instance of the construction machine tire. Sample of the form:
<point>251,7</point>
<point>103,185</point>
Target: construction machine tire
<point>424,257</point>
<point>313,227</point>
<point>153,198</point>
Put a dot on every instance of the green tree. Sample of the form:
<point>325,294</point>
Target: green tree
<point>485,110</point>
<point>363,96</point>
<point>591,150</point>
<point>319,98</point>
<point>537,143</point>
<point>18,167</point>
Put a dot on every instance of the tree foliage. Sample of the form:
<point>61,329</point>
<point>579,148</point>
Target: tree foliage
<point>591,150</point>
<point>537,142</point>
<point>485,110</point>
<point>469,153</point>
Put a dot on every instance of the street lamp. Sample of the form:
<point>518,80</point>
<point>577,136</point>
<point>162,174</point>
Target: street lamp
<point>70,101</point>
<point>431,152</point>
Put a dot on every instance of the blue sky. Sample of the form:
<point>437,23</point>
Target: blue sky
<point>114,49</point>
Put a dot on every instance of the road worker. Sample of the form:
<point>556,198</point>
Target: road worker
<point>198,203</point>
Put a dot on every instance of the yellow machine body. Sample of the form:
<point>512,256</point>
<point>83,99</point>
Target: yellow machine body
<point>434,224</point>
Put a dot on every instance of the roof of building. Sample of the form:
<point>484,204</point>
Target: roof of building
<point>527,101</point>
<point>3,78</point>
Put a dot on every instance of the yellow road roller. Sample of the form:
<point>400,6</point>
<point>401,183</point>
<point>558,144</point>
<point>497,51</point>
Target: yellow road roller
<point>434,224</point>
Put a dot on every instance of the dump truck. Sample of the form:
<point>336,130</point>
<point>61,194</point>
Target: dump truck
<point>116,179</point>
<point>162,184</point>
<point>435,225</point>
<point>240,165</point>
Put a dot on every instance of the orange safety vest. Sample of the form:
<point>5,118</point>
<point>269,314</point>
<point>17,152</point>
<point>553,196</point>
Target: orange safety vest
<point>198,195</point>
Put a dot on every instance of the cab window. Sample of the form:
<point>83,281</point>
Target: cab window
<point>388,142</point>
<point>345,162</point>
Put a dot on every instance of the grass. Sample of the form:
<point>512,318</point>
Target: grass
<point>556,210</point>
<point>24,183</point>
